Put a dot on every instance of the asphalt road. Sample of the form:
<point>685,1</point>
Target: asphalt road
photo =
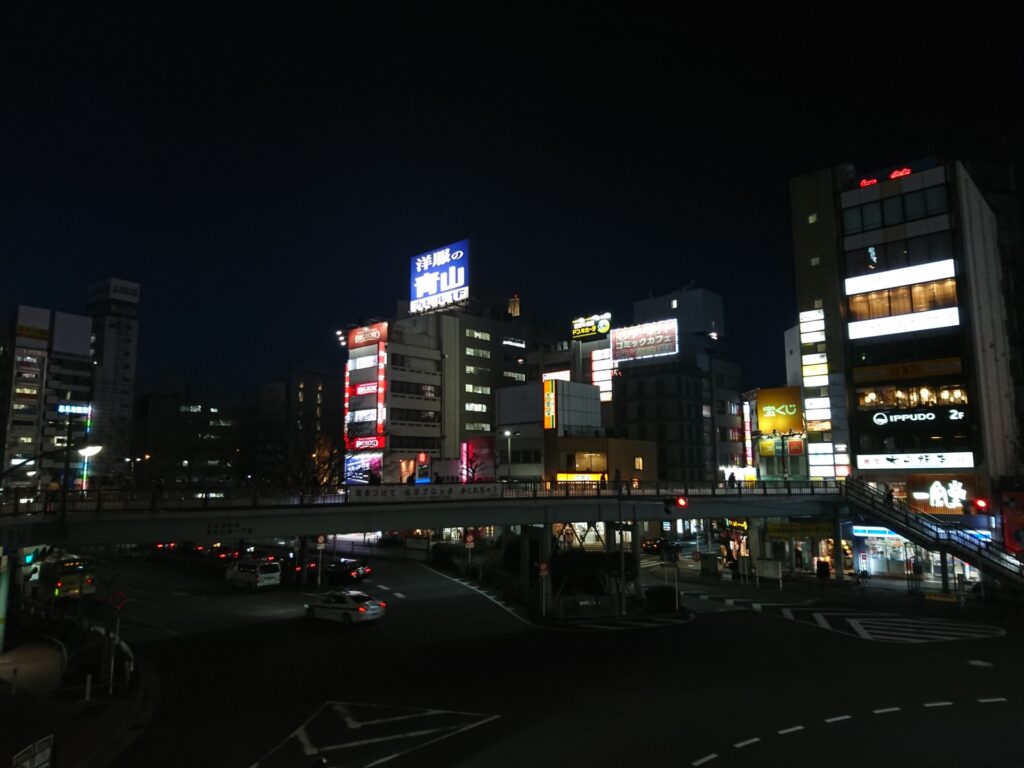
<point>451,678</point>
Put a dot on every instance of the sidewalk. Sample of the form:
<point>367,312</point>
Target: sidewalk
<point>41,695</point>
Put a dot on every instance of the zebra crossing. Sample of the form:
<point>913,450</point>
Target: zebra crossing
<point>878,626</point>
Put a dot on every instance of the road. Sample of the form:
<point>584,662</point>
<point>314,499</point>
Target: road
<point>450,677</point>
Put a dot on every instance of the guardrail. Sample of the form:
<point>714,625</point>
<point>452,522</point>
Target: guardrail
<point>98,501</point>
<point>989,556</point>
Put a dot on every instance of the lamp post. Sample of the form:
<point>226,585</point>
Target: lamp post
<point>508,436</point>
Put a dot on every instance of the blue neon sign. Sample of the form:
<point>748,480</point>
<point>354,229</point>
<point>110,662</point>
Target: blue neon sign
<point>439,278</point>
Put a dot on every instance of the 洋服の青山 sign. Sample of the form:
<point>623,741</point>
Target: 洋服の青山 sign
<point>370,334</point>
<point>439,278</point>
<point>779,410</point>
<point>648,340</point>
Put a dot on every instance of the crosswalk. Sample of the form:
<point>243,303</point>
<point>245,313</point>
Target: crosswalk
<point>879,626</point>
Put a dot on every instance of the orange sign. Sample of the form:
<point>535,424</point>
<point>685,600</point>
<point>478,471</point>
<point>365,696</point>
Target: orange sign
<point>779,410</point>
<point>370,334</point>
<point>550,403</point>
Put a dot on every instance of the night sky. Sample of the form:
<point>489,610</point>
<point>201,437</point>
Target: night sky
<point>267,171</point>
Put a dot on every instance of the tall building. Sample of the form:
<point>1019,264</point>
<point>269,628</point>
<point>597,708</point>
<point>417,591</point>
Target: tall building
<point>113,305</point>
<point>46,397</point>
<point>678,385</point>
<point>905,359</point>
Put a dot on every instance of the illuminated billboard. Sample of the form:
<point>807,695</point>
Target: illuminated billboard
<point>895,278</point>
<point>367,335</point>
<point>550,404</point>
<point>908,323</point>
<point>648,340</point>
<point>593,327</point>
<point>939,460</point>
<point>440,278</point>
<point>779,410</point>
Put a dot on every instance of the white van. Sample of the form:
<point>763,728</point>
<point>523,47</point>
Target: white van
<point>252,574</point>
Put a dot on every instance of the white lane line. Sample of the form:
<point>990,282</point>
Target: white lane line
<point>381,586</point>
<point>886,710</point>
<point>465,583</point>
<point>747,743</point>
<point>399,594</point>
<point>993,700</point>
<point>787,613</point>
<point>938,703</point>
<point>794,729</point>
<point>837,718</point>
<point>705,759</point>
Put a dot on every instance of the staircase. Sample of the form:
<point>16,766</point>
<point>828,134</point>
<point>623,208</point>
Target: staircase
<point>934,533</point>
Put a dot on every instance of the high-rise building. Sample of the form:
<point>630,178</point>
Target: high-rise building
<point>46,397</point>
<point>904,352</point>
<point>113,305</point>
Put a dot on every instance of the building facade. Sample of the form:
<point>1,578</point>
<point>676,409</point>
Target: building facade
<point>905,358</point>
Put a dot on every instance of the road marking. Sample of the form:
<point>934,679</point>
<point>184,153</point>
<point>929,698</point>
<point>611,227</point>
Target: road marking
<point>747,743</point>
<point>705,759</point>
<point>938,704</point>
<point>399,594</point>
<point>498,603</point>
<point>381,586</point>
<point>837,718</point>
<point>994,700</point>
<point>980,663</point>
<point>886,710</point>
<point>794,729</point>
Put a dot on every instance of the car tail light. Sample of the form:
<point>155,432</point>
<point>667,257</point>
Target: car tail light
<point>88,581</point>
<point>199,548</point>
<point>222,556</point>
<point>60,584</point>
<point>172,545</point>
<point>362,609</point>
<point>368,569</point>
<point>159,546</point>
<point>298,568</point>
<point>352,574</point>
<point>311,565</point>
<point>382,604</point>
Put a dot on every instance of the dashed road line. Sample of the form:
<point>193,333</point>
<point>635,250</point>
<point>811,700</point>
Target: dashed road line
<point>747,743</point>
<point>993,700</point>
<point>398,594</point>
<point>794,729</point>
<point>886,710</point>
<point>938,704</point>
<point>837,719</point>
<point>705,759</point>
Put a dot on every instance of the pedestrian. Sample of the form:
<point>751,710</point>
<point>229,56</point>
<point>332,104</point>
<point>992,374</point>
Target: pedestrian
<point>888,495</point>
<point>732,480</point>
<point>604,480</point>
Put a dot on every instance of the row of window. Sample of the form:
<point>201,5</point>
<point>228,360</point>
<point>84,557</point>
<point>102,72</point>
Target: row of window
<point>414,388</point>
<point>482,335</point>
<point>895,210</point>
<point>478,426</point>
<point>409,442</point>
<point>477,389</point>
<point>893,396</point>
<point>413,415</point>
<point>476,352</point>
<point>926,249</point>
<point>904,300</point>
<point>514,376</point>
<point>477,370</point>
<point>476,407</point>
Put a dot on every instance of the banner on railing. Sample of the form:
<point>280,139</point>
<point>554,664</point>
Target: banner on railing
<point>396,494</point>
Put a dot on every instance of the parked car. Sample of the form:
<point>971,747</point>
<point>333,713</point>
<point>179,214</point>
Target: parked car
<point>253,574</point>
<point>655,546</point>
<point>347,606</point>
<point>344,570</point>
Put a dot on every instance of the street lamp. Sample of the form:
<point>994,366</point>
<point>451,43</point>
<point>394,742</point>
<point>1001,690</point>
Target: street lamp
<point>509,435</point>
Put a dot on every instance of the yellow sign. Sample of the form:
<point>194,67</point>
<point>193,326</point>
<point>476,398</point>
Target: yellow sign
<point>766,447</point>
<point>808,530</point>
<point>922,369</point>
<point>549,404</point>
<point>577,477</point>
<point>779,410</point>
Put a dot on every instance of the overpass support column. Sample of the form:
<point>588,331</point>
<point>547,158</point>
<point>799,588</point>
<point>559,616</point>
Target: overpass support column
<point>944,568</point>
<point>634,532</point>
<point>545,582</point>
<point>524,563</point>
<point>838,547</point>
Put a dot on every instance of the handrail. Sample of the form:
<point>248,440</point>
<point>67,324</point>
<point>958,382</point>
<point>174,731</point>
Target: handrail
<point>987,556</point>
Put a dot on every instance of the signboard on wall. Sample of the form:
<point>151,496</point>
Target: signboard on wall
<point>593,327</point>
<point>550,405</point>
<point>779,410</point>
<point>367,335</point>
<point>942,460</point>
<point>920,369</point>
<point>638,342</point>
<point>440,278</point>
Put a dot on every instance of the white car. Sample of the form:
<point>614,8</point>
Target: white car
<point>346,606</point>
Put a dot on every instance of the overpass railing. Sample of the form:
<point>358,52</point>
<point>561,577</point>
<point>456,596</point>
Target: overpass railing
<point>14,503</point>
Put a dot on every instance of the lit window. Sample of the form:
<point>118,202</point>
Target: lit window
<point>482,335</point>
<point>478,426</point>
<point>478,407</point>
<point>475,352</point>
<point>515,376</point>
<point>812,219</point>
<point>815,261</point>
<point>638,463</point>
<point>477,389</point>
<point>675,303</point>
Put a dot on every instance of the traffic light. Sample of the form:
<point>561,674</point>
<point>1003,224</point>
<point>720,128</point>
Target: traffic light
<point>980,506</point>
<point>675,505</point>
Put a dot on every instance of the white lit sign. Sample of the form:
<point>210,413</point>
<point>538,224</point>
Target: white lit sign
<point>887,418</point>
<point>948,497</point>
<point>916,321</point>
<point>557,375</point>
<point>894,278</point>
<point>439,278</point>
<point>817,402</point>
<point>812,337</point>
<point>812,314</point>
<point>812,359</point>
<point>819,447</point>
<point>648,340</point>
<point>955,460</point>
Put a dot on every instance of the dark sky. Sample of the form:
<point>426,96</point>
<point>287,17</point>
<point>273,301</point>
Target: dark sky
<point>267,171</point>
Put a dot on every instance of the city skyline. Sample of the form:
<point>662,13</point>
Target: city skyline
<point>265,200</point>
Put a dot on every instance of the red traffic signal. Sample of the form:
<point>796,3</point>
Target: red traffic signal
<point>676,504</point>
